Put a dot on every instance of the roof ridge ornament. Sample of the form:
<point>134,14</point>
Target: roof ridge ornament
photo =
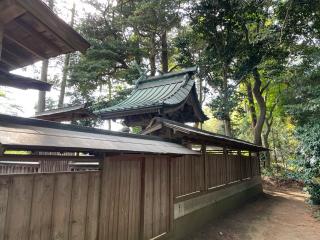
<point>143,74</point>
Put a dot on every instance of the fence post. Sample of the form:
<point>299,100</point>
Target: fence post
<point>1,150</point>
<point>204,186</point>
<point>250,162</point>
<point>240,159</point>
<point>225,154</point>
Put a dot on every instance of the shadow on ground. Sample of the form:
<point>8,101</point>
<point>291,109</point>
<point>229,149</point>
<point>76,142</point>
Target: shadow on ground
<point>278,214</point>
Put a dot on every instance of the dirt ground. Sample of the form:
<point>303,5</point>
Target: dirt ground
<point>279,214</point>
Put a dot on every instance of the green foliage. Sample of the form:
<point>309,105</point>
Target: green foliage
<point>309,153</point>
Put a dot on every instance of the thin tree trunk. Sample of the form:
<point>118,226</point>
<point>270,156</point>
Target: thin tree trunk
<point>252,109</point>
<point>262,107</point>
<point>66,65</point>
<point>164,52</point>
<point>274,148</point>
<point>200,96</point>
<point>226,120</point>
<point>42,94</point>
<point>109,98</point>
<point>152,57</point>
<point>266,142</point>
<point>44,76</point>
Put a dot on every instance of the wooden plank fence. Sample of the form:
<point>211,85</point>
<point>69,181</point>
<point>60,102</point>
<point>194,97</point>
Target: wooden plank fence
<point>194,174</point>
<point>132,197</point>
<point>49,206</point>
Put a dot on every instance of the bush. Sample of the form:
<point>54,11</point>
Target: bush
<point>309,153</point>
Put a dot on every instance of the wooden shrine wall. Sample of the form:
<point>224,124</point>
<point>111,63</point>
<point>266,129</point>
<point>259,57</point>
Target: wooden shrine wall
<point>157,197</point>
<point>58,206</point>
<point>131,198</point>
<point>120,214</point>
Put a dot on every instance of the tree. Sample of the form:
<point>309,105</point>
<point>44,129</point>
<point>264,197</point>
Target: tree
<point>218,24</point>
<point>66,66</point>
<point>44,76</point>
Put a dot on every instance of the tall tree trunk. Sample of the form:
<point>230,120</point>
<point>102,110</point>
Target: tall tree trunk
<point>44,76</point>
<point>109,98</point>
<point>274,147</point>
<point>42,94</point>
<point>252,109</point>
<point>152,57</point>
<point>265,141</point>
<point>226,120</point>
<point>66,65</point>
<point>164,52</point>
<point>201,95</point>
<point>262,106</point>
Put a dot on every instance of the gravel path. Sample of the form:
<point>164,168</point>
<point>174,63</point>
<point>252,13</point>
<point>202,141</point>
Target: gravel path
<point>279,214</point>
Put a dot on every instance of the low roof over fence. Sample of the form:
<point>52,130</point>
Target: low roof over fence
<point>69,113</point>
<point>31,134</point>
<point>198,136</point>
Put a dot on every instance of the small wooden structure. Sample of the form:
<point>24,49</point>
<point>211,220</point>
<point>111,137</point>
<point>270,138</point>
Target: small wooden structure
<point>171,95</point>
<point>30,32</point>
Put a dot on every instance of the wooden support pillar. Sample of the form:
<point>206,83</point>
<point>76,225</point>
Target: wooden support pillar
<point>225,154</point>
<point>250,164</point>
<point>1,37</point>
<point>1,150</point>
<point>258,159</point>
<point>240,159</point>
<point>204,186</point>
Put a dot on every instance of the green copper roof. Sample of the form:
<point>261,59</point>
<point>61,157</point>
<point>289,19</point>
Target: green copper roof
<point>156,94</point>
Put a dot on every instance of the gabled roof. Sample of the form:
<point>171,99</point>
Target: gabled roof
<point>198,136</point>
<point>159,95</point>
<point>31,134</point>
<point>66,113</point>
<point>13,80</point>
<point>32,32</point>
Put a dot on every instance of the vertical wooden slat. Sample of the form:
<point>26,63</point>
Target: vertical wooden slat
<point>124,199</point>
<point>93,206</point>
<point>79,207</point>
<point>148,198</point>
<point>104,186</point>
<point>114,215</point>
<point>61,207</point>
<point>40,227</point>
<point>4,191</point>
<point>135,200</point>
<point>19,208</point>
<point>156,196</point>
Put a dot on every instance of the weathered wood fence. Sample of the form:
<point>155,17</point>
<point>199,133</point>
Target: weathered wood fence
<point>131,198</point>
<point>196,174</point>
<point>49,206</point>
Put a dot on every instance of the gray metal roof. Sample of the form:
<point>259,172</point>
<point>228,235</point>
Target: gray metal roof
<point>200,136</point>
<point>31,134</point>
<point>155,94</point>
<point>68,113</point>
